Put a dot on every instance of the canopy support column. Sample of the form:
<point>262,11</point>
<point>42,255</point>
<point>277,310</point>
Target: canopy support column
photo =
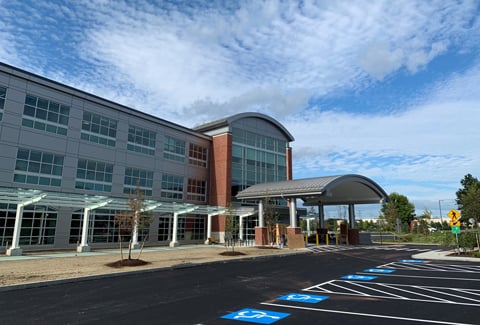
<point>261,235</point>
<point>174,242</point>
<point>321,216</point>
<point>15,249</point>
<point>351,216</point>
<point>83,247</point>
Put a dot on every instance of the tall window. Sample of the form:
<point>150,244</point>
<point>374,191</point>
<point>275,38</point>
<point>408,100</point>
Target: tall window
<point>197,155</point>
<point>99,129</point>
<point>174,149</point>
<point>38,225</point>
<point>3,93</point>
<point>196,190</point>
<point>138,177</point>
<point>164,228</point>
<point>172,187</point>
<point>43,114</point>
<point>256,159</point>
<point>141,140</point>
<point>94,176</point>
<point>37,167</point>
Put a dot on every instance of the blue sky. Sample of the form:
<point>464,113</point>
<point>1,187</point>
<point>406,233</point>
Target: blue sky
<point>386,89</point>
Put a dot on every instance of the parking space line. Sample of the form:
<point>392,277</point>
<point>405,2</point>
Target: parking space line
<point>430,321</point>
<point>429,294</point>
<point>424,277</point>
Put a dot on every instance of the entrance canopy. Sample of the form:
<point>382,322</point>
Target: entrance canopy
<point>25,197</point>
<point>328,190</point>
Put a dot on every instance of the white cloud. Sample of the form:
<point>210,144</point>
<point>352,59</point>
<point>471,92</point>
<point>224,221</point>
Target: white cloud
<point>195,63</point>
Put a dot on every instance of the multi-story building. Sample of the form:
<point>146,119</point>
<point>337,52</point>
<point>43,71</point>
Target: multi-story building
<point>70,161</point>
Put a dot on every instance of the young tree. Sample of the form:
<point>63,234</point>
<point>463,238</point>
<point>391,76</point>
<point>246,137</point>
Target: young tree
<point>270,217</point>
<point>231,228</point>
<point>132,221</point>
<point>398,207</point>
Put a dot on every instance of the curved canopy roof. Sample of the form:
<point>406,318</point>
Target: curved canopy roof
<point>328,190</point>
<point>227,121</point>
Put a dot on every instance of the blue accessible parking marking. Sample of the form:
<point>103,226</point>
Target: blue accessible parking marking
<point>379,270</point>
<point>256,316</point>
<point>301,297</point>
<point>359,277</point>
<point>412,261</point>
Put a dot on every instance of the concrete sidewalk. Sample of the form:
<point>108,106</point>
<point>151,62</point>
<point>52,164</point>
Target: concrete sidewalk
<point>32,255</point>
<point>444,256</point>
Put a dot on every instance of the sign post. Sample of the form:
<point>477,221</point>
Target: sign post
<point>455,223</point>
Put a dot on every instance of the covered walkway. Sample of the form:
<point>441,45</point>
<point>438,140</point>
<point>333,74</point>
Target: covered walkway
<point>25,197</point>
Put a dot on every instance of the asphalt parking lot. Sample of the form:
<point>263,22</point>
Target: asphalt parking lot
<point>343,285</point>
<point>400,291</point>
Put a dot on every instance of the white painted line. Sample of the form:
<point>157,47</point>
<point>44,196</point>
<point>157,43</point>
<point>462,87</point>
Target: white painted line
<point>424,277</point>
<point>431,321</point>
<point>446,293</point>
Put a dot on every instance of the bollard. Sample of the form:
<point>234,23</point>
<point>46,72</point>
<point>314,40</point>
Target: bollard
<point>336,238</point>
<point>326,239</point>
<point>317,238</point>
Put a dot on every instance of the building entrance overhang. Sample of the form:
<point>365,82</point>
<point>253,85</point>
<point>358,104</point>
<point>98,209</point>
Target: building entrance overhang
<point>21,196</point>
<point>328,190</point>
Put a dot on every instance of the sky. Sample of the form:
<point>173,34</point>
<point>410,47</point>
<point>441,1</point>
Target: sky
<point>386,89</point>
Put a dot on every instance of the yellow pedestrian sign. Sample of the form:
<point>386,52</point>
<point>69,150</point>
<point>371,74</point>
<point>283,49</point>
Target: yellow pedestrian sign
<point>454,215</point>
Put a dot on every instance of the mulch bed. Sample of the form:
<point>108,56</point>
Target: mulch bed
<point>127,263</point>
<point>230,253</point>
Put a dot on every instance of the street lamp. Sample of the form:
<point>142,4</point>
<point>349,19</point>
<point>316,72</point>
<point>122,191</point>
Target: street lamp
<point>440,207</point>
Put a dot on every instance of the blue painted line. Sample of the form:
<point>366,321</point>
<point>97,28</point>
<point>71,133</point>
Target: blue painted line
<point>301,297</point>
<point>257,316</point>
<point>412,261</point>
<point>386,271</point>
<point>359,277</point>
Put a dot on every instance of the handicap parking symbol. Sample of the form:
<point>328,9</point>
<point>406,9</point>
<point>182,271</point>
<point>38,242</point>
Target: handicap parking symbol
<point>385,271</point>
<point>300,297</point>
<point>256,316</point>
<point>359,277</point>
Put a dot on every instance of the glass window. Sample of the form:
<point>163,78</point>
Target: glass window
<point>134,177</point>
<point>172,187</point>
<point>38,167</point>
<point>43,114</point>
<point>141,140</point>
<point>196,190</point>
<point>256,159</point>
<point>3,94</point>
<point>99,129</point>
<point>197,155</point>
<point>174,149</point>
<point>94,175</point>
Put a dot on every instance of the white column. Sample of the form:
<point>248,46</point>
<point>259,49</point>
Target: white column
<point>240,227</point>
<point>83,244</point>
<point>15,249</point>
<point>209,227</point>
<point>174,242</point>
<point>293,213</point>
<point>261,222</point>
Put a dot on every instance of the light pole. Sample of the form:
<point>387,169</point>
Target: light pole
<point>440,208</point>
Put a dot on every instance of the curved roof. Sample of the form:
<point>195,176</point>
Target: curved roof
<point>227,121</point>
<point>328,190</point>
